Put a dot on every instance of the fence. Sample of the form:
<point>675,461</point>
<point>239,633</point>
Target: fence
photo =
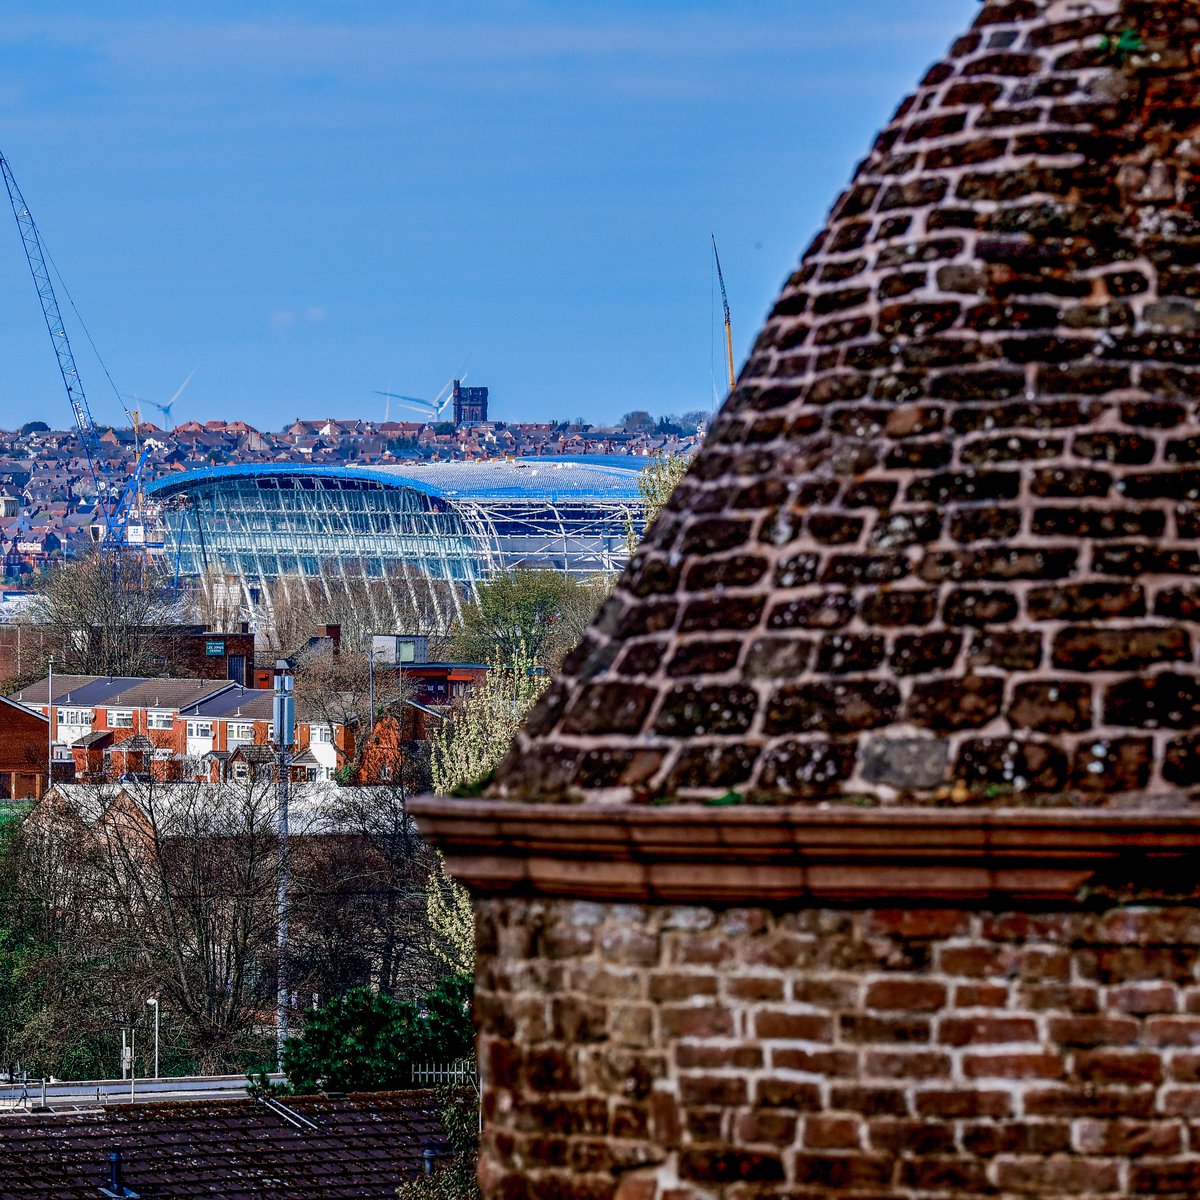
<point>461,1073</point>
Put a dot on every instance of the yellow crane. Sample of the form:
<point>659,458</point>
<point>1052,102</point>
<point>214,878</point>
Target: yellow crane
<point>725,304</point>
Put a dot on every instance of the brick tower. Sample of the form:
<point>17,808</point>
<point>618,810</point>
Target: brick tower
<point>856,851</point>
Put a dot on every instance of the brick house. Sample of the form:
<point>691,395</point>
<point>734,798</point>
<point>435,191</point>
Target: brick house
<point>24,745</point>
<point>184,727</point>
<point>855,853</point>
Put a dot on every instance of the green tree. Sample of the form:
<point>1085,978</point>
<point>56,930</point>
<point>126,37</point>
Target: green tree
<point>466,748</point>
<point>655,483</point>
<point>364,1041</point>
<point>526,611</point>
<point>452,1178</point>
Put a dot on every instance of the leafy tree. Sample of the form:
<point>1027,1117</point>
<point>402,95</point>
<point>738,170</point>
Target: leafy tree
<point>655,483</point>
<point>35,427</point>
<point>528,613</point>
<point>451,921</point>
<point>638,421</point>
<point>363,1041</point>
<point>467,748</point>
<point>452,1178</point>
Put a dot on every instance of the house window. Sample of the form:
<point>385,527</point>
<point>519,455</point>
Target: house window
<point>323,734</point>
<point>160,720</point>
<point>74,716</point>
<point>120,718</point>
<point>241,733</point>
<point>199,729</point>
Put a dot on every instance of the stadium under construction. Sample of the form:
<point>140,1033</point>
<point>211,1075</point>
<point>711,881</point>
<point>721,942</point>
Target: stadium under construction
<point>457,522</point>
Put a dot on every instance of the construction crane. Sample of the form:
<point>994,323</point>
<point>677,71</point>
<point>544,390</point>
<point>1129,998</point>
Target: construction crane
<point>115,517</point>
<point>725,305</point>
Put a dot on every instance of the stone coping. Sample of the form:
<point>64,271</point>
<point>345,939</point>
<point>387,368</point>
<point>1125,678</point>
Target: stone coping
<point>750,856</point>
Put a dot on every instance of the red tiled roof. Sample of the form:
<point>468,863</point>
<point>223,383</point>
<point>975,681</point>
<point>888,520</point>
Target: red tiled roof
<point>364,1146</point>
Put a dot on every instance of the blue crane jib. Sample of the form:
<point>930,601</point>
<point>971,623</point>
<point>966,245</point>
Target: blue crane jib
<point>116,518</point>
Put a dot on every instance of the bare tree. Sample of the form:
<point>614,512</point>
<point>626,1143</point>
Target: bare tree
<point>217,601</point>
<point>363,897</point>
<point>107,615</point>
<point>338,689</point>
<point>169,890</point>
<point>56,1013</point>
<point>194,873</point>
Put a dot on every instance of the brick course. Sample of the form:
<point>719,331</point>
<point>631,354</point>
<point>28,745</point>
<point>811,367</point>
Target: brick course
<point>914,1053</point>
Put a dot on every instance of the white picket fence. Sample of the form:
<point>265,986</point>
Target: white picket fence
<point>461,1073</point>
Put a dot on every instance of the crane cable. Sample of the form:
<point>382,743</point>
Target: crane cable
<point>82,325</point>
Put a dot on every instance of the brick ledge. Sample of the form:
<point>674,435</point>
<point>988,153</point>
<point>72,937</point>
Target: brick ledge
<point>694,853</point>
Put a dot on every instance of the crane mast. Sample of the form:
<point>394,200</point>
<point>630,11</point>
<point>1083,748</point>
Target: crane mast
<point>725,305</point>
<point>115,521</point>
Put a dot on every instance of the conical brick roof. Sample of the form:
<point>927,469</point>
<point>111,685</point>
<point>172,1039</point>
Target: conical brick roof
<point>943,542</point>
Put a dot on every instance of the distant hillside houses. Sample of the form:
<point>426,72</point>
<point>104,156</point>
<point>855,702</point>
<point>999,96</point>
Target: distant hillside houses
<point>48,500</point>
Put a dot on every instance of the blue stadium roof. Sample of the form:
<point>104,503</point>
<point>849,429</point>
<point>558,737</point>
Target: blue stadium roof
<point>604,477</point>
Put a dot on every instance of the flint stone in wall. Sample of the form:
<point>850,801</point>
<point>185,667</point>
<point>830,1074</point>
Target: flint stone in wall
<point>909,763</point>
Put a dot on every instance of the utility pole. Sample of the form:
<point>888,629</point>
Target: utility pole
<point>370,731</point>
<point>284,711</point>
<point>50,724</point>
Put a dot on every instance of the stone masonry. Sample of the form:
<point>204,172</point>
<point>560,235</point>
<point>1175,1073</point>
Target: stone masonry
<point>666,1053</point>
<point>944,534</point>
<point>925,613</point>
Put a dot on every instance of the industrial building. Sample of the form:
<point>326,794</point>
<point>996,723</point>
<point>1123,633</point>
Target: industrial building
<point>453,521</point>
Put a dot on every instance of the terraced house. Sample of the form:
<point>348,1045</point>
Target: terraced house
<point>177,728</point>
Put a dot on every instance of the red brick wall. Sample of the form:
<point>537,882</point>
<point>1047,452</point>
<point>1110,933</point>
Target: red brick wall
<point>23,749</point>
<point>690,1054</point>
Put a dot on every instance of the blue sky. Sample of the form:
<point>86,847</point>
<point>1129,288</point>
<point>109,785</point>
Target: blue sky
<point>316,200</point>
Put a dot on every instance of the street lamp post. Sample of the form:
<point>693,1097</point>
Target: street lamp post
<point>153,1002</point>
<point>284,712</point>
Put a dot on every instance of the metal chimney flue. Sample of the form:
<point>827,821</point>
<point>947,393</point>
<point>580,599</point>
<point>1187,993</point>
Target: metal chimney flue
<point>116,1178</point>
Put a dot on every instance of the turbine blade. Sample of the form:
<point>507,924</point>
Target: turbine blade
<point>179,390</point>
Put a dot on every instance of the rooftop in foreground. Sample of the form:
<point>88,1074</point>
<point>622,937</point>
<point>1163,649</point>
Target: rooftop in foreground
<point>362,1146</point>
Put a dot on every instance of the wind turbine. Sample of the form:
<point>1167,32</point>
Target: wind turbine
<point>429,409</point>
<point>165,409</point>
